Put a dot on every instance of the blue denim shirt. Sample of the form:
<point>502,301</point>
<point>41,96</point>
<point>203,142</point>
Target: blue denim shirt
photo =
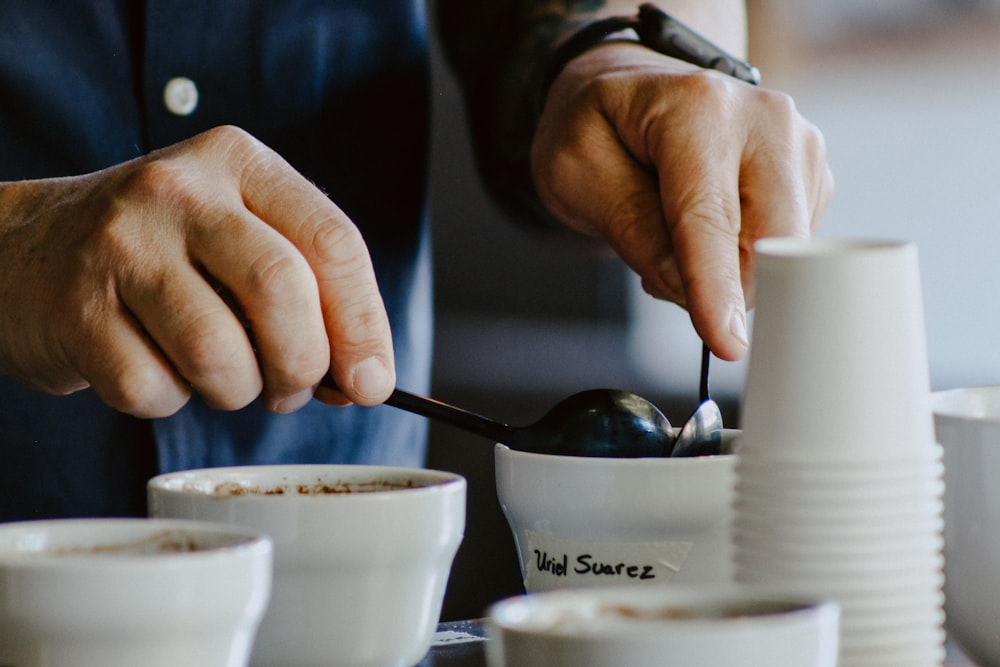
<point>338,87</point>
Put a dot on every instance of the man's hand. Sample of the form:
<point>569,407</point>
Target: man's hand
<point>681,171</point>
<point>209,266</point>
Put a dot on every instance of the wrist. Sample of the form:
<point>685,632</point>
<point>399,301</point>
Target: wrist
<point>653,29</point>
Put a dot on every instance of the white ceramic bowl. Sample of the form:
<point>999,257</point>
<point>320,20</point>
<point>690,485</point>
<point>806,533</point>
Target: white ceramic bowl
<point>127,592</point>
<point>703,626</point>
<point>362,554</point>
<point>582,522</point>
<point>968,427</point>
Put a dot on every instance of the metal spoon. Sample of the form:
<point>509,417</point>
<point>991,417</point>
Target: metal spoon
<point>598,422</point>
<point>701,434</point>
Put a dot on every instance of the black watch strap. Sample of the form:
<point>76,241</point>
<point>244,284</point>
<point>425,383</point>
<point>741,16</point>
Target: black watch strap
<point>658,31</point>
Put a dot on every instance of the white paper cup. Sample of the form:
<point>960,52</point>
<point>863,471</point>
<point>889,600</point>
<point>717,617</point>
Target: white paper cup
<point>585,522</point>
<point>968,427</point>
<point>362,553</point>
<point>662,625</point>
<point>838,447</point>
<point>838,362</point>
<point>127,592</point>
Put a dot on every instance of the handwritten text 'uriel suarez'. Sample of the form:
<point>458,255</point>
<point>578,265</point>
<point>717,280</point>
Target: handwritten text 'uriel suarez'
<point>586,564</point>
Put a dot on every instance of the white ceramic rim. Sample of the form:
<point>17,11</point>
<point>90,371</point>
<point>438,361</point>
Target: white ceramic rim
<point>789,247</point>
<point>238,541</point>
<point>800,606</point>
<point>179,483</point>
<point>967,403</point>
<point>602,462</point>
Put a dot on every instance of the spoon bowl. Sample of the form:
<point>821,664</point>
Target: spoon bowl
<point>701,434</point>
<point>599,422</point>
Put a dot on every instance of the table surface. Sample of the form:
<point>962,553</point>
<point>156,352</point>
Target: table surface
<point>461,644</point>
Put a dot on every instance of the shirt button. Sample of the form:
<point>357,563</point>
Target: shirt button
<point>180,96</point>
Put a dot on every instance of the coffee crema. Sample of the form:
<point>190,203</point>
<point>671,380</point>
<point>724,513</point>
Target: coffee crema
<point>317,488</point>
<point>609,617</point>
<point>163,542</point>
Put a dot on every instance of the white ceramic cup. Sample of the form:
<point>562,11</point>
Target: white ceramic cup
<point>838,362</point>
<point>701,626</point>
<point>362,553</point>
<point>127,592</point>
<point>968,428</point>
<point>584,521</point>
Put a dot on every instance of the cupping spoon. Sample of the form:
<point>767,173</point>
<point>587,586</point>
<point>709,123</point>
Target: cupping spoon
<point>701,434</point>
<point>597,423</point>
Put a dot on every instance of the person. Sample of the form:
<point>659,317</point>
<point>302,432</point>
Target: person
<point>207,208</point>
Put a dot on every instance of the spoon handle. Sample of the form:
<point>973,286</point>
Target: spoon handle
<point>703,389</point>
<point>435,409</point>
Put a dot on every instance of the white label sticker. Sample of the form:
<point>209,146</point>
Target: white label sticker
<point>555,562</point>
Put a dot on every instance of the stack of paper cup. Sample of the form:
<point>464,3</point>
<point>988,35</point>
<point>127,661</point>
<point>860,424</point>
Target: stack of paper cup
<point>839,489</point>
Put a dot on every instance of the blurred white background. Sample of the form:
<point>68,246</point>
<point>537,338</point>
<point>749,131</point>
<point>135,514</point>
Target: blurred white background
<point>908,97</point>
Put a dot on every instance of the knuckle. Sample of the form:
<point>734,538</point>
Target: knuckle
<point>359,329</point>
<point>281,276</point>
<point>708,211</point>
<point>157,191</point>
<point>230,133</point>
<point>207,352</point>
<point>335,239</point>
<point>142,390</point>
<point>226,138</point>
<point>779,106</point>
<point>362,320</point>
<point>628,215</point>
<point>157,180</point>
<point>712,92</point>
<point>293,378</point>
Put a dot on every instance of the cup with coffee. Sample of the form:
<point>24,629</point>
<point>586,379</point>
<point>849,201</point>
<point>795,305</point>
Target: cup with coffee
<point>362,553</point>
<point>127,592</point>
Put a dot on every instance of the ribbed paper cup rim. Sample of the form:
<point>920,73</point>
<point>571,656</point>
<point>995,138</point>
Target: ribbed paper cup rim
<point>805,492</point>
<point>787,548</point>
<point>871,575</point>
<point>891,625</point>
<point>793,557</point>
<point>901,459</point>
<point>915,570</point>
<point>775,514</point>
<point>903,652</point>
<point>913,464</point>
<point>841,590</point>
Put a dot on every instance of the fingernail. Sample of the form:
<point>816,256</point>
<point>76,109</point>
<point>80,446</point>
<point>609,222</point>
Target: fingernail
<point>738,326</point>
<point>293,402</point>
<point>372,379</point>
